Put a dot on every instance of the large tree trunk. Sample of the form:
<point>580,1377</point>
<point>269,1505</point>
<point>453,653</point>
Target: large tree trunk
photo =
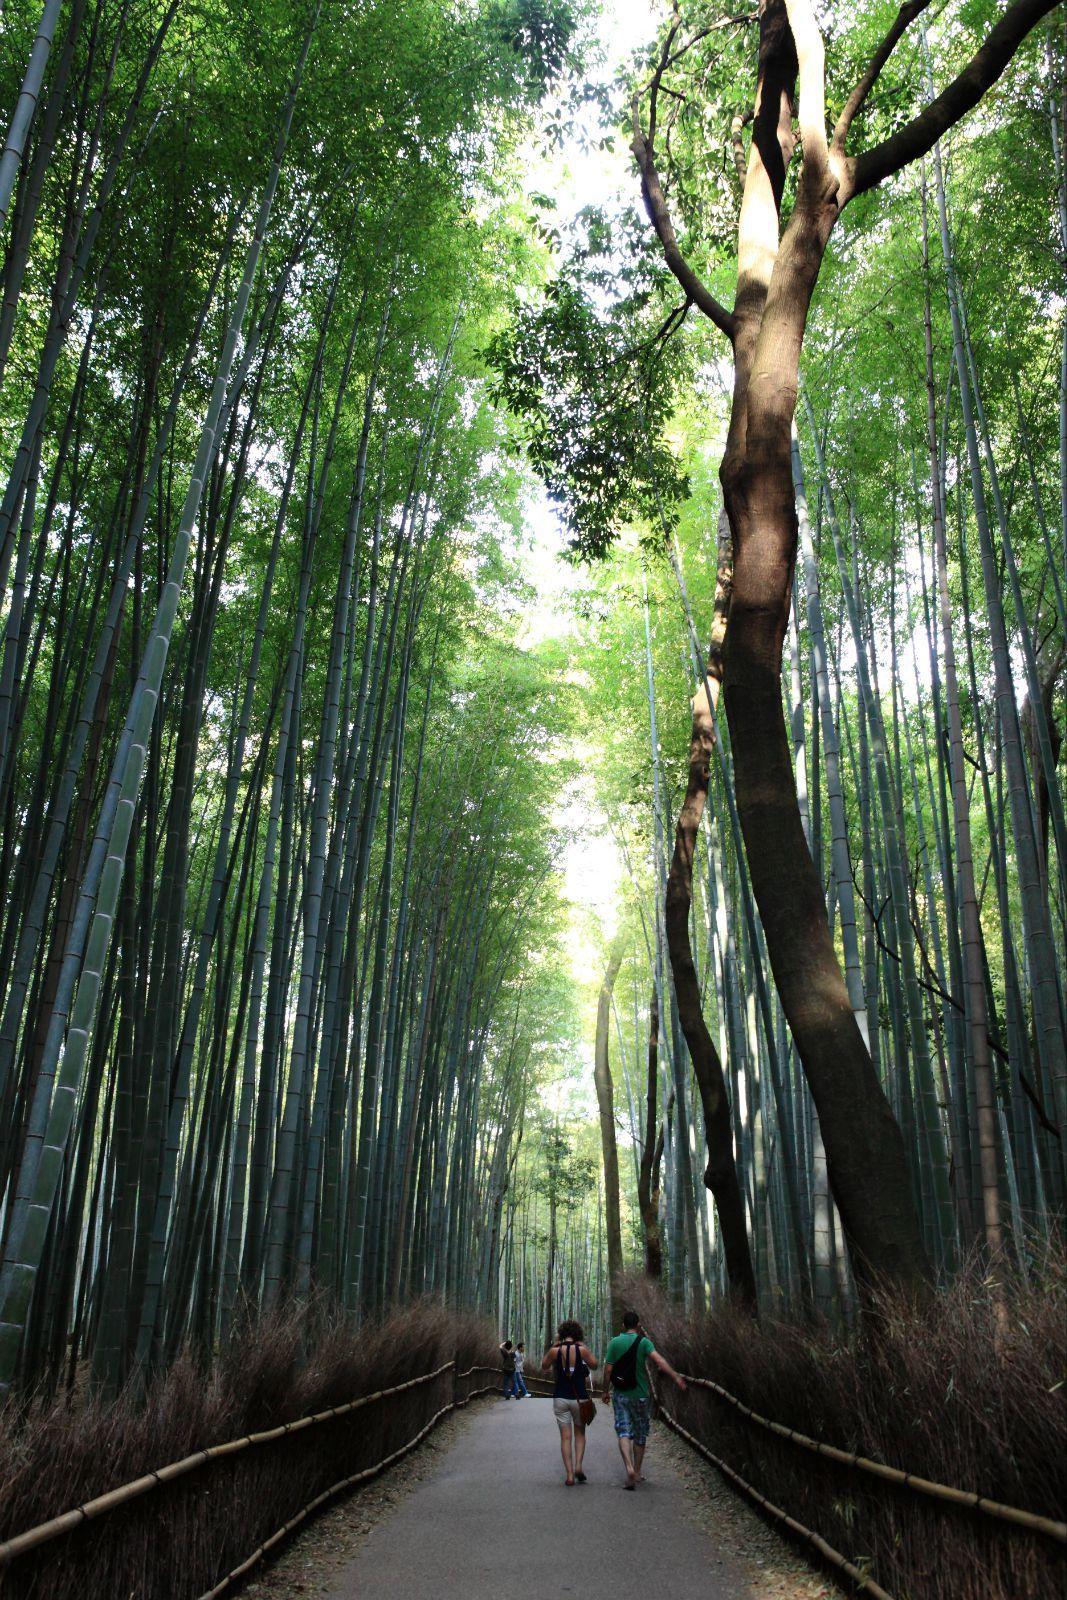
<point>606,1102</point>
<point>776,274</point>
<point>865,1151</point>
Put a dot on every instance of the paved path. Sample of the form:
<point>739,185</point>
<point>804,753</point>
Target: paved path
<point>496,1522</point>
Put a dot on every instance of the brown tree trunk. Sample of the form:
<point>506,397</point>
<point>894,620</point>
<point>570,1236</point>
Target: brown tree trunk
<point>651,1154</point>
<point>865,1151</point>
<point>721,1172</point>
<point>606,1102</point>
<point>776,274</point>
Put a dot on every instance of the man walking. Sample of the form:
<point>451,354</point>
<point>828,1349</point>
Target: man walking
<point>626,1386</point>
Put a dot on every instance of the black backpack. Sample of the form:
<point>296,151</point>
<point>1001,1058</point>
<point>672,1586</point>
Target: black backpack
<point>624,1371</point>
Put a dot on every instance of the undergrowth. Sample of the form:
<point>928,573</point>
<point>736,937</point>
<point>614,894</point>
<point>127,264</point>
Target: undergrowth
<point>931,1391</point>
<point>180,1539</point>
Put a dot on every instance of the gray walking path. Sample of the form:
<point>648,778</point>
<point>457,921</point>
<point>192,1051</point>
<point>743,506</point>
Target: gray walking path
<point>496,1522</point>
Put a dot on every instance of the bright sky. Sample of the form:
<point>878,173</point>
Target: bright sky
<point>628,24</point>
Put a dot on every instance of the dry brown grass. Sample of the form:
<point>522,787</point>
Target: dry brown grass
<point>177,1541</point>
<point>932,1394</point>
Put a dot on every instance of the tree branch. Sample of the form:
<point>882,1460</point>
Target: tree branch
<point>811,74</point>
<point>660,217</point>
<point>742,21</point>
<point>656,79</point>
<point>740,156</point>
<point>963,93</point>
<point>857,98</point>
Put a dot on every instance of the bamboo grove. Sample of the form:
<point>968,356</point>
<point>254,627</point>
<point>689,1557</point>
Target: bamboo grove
<point>287,981</point>
<point>269,882</point>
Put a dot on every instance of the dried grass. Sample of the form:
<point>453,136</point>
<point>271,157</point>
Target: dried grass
<point>177,1541</point>
<point>932,1393</point>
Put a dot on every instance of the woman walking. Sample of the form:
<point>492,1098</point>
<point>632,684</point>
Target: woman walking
<point>572,1361</point>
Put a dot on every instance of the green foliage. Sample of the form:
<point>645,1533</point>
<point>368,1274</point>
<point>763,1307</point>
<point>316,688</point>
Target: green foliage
<point>591,374</point>
<point>565,1176</point>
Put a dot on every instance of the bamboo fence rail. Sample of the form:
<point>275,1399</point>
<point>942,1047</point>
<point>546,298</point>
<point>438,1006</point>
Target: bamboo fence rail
<point>356,1477</point>
<point>863,1582</point>
<point>877,1469</point>
<point>55,1527</point>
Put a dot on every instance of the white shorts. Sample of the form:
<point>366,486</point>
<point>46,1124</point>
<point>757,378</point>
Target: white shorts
<point>567,1414</point>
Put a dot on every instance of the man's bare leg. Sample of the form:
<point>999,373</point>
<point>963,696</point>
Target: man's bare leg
<point>626,1450</point>
<point>639,1456</point>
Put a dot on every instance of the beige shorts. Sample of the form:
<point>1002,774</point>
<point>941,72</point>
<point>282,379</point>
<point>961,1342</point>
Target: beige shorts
<point>567,1414</point>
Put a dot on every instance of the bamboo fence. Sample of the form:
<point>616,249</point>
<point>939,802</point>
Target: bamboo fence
<point>877,1469</point>
<point>56,1527</point>
<point>45,1532</point>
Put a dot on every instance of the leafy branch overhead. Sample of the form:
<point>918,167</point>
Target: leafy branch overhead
<point>591,373</point>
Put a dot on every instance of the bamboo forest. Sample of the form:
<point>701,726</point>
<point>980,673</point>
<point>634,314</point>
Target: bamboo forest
<point>533,680</point>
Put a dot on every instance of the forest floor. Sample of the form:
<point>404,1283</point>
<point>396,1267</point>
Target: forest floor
<point>757,1563</point>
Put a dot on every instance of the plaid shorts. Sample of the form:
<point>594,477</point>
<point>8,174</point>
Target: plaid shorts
<point>632,1416</point>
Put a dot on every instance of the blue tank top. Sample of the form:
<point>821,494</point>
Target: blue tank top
<point>570,1385</point>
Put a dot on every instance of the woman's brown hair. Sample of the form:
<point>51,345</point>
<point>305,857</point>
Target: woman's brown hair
<point>571,1330</point>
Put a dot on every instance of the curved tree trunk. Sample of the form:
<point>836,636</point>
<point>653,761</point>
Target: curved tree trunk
<point>721,1172</point>
<point>606,1101</point>
<point>777,268</point>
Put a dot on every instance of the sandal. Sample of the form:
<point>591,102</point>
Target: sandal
<point>579,1477</point>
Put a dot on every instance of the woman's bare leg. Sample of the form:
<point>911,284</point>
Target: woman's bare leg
<point>579,1448</point>
<point>565,1451</point>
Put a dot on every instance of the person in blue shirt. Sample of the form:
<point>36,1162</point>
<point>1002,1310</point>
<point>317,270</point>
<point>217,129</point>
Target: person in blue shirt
<point>626,1388</point>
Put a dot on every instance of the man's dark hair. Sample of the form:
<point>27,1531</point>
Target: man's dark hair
<point>507,1344</point>
<point>630,1319</point>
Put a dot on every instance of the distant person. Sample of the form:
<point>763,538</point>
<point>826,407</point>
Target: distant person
<point>507,1368</point>
<point>519,1389</point>
<point>626,1386</point>
<point>571,1361</point>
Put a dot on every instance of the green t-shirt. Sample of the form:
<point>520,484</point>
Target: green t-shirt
<point>615,1352</point>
